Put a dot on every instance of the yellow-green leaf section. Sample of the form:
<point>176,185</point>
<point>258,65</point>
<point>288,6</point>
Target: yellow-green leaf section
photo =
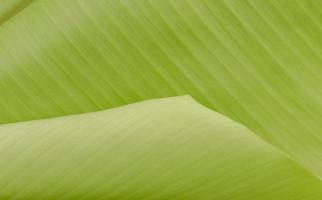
<point>119,153</point>
<point>258,62</point>
<point>9,8</point>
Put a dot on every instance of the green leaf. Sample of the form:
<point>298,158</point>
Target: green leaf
<point>9,8</point>
<point>257,62</point>
<point>170,148</point>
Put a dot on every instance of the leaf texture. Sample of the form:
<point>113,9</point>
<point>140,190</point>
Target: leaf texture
<point>120,154</point>
<point>258,62</point>
<point>9,8</point>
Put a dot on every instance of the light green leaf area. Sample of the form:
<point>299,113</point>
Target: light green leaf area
<point>257,62</point>
<point>195,153</point>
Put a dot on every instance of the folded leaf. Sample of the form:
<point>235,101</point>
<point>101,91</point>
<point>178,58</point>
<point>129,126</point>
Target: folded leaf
<point>170,148</point>
<point>257,62</point>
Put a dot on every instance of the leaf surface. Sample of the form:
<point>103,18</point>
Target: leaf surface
<point>257,62</point>
<point>170,148</point>
<point>9,8</point>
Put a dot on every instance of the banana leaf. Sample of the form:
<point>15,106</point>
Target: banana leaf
<point>257,62</point>
<point>195,153</point>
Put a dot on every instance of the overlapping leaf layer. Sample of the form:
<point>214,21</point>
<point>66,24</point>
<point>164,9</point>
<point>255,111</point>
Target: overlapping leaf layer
<point>257,62</point>
<point>120,154</point>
